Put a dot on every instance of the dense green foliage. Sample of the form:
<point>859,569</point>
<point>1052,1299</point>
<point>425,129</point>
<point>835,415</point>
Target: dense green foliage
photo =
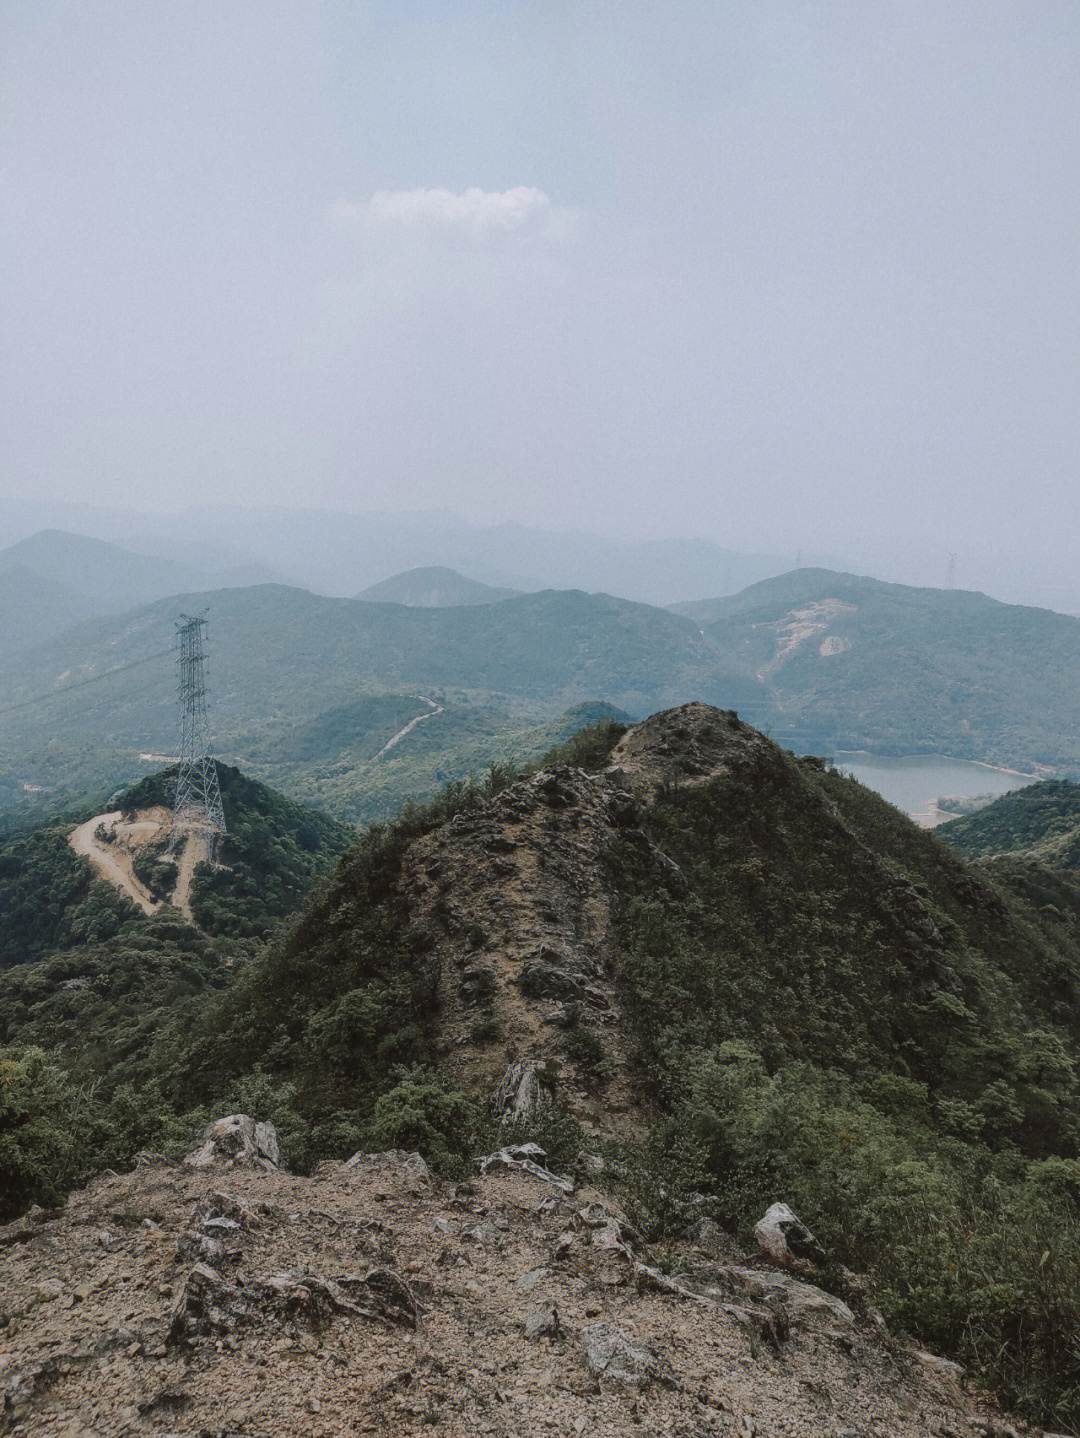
<point>1040,822</point>
<point>838,1013</point>
<point>50,899</point>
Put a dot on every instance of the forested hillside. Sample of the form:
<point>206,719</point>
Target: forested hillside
<point>1041,822</point>
<point>852,663</point>
<point>755,979</point>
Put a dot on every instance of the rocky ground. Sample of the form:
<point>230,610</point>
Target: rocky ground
<point>369,1298</point>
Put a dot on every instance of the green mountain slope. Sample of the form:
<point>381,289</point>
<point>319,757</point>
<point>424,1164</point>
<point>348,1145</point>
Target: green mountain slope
<point>307,692</point>
<point>791,990</point>
<point>434,587</point>
<point>293,675</point>
<point>852,663</point>
<point>52,900</point>
<point>1041,822</point>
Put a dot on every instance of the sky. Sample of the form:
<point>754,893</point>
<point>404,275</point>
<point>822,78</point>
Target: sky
<point>786,276</point>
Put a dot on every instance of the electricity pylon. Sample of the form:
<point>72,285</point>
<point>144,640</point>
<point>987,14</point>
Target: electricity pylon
<point>197,808</point>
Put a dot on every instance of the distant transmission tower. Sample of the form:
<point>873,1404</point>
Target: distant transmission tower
<point>950,573</point>
<point>197,809</point>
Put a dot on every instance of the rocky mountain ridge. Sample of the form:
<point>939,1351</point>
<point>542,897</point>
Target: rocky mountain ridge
<point>225,1296</point>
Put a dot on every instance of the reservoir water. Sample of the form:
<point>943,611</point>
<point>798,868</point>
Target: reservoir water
<point>916,784</point>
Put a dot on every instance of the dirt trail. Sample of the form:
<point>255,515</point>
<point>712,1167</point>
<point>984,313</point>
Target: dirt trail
<point>185,867</point>
<point>110,860</point>
<point>411,725</point>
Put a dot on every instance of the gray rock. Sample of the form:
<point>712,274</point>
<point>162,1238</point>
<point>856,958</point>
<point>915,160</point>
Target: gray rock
<point>525,1156</point>
<point>616,1359</point>
<point>529,1280</point>
<point>209,1306</point>
<point>797,1301</point>
<point>518,1092</point>
<point>707,1234</point>
<point>408,1167</point>
<point>787,1241</point>
<point>238,1142</point>
<point>542,1323</point>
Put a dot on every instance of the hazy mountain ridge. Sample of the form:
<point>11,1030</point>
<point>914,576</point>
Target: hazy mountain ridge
<point>110,578</point>
<point>342,553</point>
<point>434,587</point>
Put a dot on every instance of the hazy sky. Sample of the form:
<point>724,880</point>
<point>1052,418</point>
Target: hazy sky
<point>779,274</point>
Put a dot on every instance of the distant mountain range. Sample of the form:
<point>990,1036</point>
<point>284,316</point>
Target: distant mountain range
<point>52,578</point>
<point>307,691</point>
<point>341,554</point>
<point>434,587</point>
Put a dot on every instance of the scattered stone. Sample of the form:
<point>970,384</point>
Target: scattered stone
<point>614,1358</point>
<point>237,1142</point>
<point>785,1240</point>
<point>542,1323</point>
<point>529,1280</point>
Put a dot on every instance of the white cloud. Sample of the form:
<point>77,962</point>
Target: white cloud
<point>475,214</point>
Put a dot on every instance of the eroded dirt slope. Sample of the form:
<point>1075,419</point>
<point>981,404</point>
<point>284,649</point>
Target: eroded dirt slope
<point>369,1299</point>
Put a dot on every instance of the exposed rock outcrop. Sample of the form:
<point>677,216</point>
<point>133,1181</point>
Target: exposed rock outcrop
<point>236,1142</point>
<point>786,1241</point>
<point>351,1302</point>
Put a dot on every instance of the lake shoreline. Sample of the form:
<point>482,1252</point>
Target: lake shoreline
<point>1042,771</point>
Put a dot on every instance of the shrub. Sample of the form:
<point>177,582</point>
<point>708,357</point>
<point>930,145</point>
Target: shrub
<point>585,1048</point>
<point>421,1113</point>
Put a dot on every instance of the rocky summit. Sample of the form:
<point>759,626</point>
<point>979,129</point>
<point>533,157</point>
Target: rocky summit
<point>223,1296</point>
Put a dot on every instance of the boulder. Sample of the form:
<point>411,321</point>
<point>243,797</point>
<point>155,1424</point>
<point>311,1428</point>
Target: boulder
<point>542,1323</point>
<point>237,1142</point>
<point>408,1168</point>
<point>525,1156</point>
<point>788,1242</point>
<point>518,1092</point>
<point>616,1359</point>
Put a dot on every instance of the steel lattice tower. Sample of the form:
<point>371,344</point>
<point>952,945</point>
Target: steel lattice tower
<point>197,808</point>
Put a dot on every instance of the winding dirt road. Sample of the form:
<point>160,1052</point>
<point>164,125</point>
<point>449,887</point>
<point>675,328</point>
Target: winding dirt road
<point>111,862</point>
<point>411,725</point>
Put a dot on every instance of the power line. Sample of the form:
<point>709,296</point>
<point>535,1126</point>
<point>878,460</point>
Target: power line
<point>84,683</point>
